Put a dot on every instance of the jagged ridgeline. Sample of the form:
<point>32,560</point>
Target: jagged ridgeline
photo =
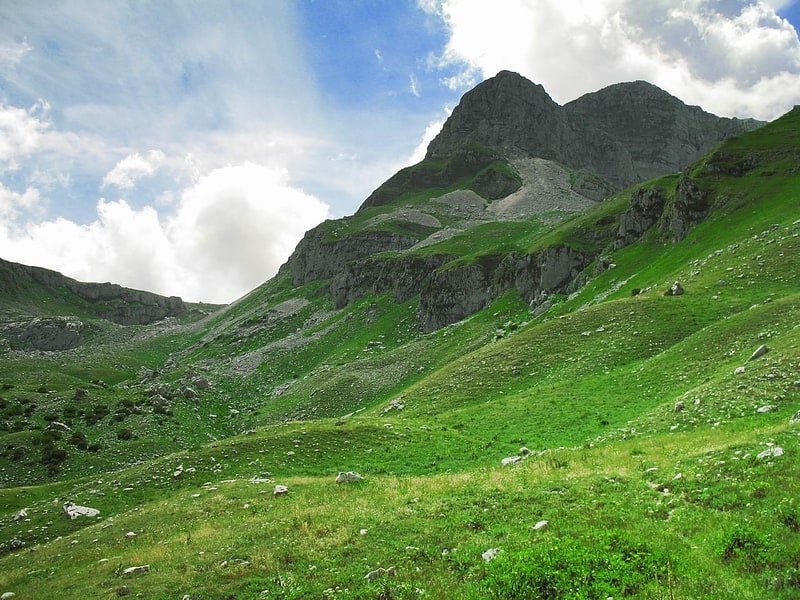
<point>557,358</point>
<point>460,228</point>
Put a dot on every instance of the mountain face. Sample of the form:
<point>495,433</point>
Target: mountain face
<point>508,153</point>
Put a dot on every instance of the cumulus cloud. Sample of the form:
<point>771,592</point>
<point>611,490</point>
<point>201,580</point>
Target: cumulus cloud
<point>133,167</point>
<point>20,131</point>
<point>733,58</point>
<point>12,202</point>
<point>230,232</point>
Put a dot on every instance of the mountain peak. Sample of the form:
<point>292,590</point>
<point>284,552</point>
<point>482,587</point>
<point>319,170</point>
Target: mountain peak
<point>508,112</point>
<point>626,133</point>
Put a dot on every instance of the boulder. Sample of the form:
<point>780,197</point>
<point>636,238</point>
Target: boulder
<point>280,490</point>
<point>139,570</point>
<point>380,572</point>
<point>73,511</point>
<point>759,352</point>
<point>348,477</point>
<point>795,418</point>
<point>490,554</point>
<point>675,290</point>
<point>510,460</point>
<point>770,452</point>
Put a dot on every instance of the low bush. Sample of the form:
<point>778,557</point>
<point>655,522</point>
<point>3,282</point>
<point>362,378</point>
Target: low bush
<point>603,566</point>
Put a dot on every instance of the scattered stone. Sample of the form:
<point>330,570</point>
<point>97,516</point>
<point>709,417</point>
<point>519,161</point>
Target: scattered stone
<point>178,472</point>
<point>738,370</point>
<point>675,290</point>
<point>7,595</point>
<point>73,511</point>
<point>21,514</point>
<point>60,426</point>
<point>130,535</point>
<point>760,351</point>
<point>137,570</point>
<point>510,460</point>
<point>362,532</point>
<point>290,453</point>
<point>16,543</point>
<point>123,591</point>
<point>189,393</point>
<point>280,490</point>
<point>766,408</point>
<point>795,418</point>
<point>774,451</point>
<point>380,572</point>
<point>541,525</point>
<point>678,477</point>
<point>524,451</point>
<point>491,554</point>
<point>348,477</point>
<point>679,406</point>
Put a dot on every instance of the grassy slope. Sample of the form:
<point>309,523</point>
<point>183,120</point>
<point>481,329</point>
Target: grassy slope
<point>642,500</point>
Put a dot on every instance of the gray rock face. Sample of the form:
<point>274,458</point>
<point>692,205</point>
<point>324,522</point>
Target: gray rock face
<point>507,112</point>
<point>317,257</point>
<point>644,211</point>
<point>686,210</point>
<point>657,131</point>
<point>48,334</point>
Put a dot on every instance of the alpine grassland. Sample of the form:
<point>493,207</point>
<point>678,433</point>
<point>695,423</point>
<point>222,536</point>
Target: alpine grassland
<point>628,442</point>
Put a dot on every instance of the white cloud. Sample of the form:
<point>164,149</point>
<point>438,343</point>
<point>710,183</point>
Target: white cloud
<point>230,232</point>
<point>11,202</point>
<point>733,58</point>
<point>13,52</point>
<point>237,225</point>
<point>413,85</point>
<point>20,131</point>
<point>431,131</point>
<point>132,168</point>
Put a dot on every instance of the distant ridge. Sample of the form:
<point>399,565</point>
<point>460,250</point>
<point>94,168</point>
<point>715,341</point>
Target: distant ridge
<point>20,285</point>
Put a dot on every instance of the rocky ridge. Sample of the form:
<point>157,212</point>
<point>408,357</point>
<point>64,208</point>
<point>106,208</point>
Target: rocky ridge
<point>32,286</point>
<point>513,154</point>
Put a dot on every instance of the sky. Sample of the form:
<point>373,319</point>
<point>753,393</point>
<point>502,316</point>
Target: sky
<point>184,147</point>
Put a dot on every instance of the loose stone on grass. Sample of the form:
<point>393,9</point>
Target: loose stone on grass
<point>280,490</point>
<point>139,570</point>
<point>348,477</point>
<point>73,511</point>
<point>491,554</point>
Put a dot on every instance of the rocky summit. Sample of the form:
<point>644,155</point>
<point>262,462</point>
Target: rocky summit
<point>509,153</point>
<point>506,376</point>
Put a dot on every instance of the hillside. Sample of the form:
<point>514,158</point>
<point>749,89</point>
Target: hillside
<point>589,399</point>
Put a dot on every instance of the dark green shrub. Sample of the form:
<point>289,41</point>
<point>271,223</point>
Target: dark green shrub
<point>745,546</point>
<point>597,568</point>
<point>52,457</point>
<point>125,434</point>
<point>78,439</point>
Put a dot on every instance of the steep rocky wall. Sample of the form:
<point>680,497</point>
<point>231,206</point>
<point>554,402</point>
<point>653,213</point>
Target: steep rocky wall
<point>405,276</point>
<point>316,258</point>
<point>455,293</point>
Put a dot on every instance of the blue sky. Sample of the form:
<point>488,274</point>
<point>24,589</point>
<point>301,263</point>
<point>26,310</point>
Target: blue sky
<point>184,147</point>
